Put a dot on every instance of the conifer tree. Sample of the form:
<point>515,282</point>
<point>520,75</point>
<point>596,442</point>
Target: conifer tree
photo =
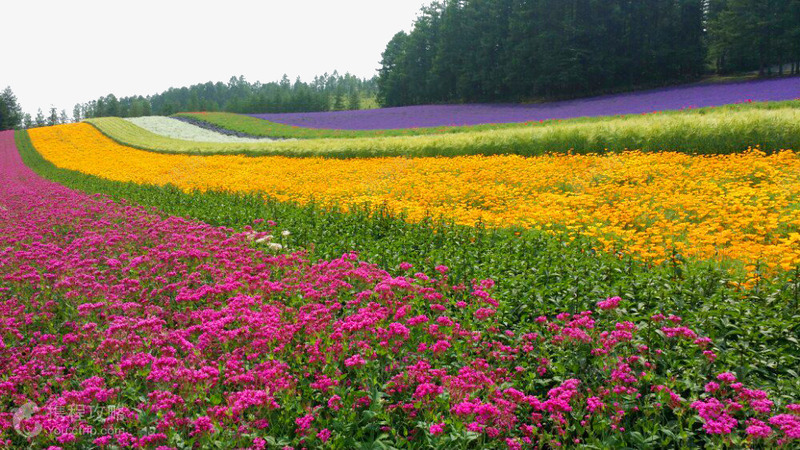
<point>10,112</point>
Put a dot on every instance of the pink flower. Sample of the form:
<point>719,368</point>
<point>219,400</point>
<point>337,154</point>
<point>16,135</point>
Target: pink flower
<point>66,438</point>
<point>789,424</point>
<point>150,439</point>
<point>436,429</point>
<point>726,377</point>
<point>102,441</point>
<point>702,342</point>
<point>398,329</point>
<point>657,318</point>
<point>513,444</point>
<point>679,332</point>
<point>126,439</point>
<point>484,313</point>
<point>335,402</point>
<point>758,429</point>
<point>427,391</point>
<point>440,346</point>
<point>355,361</point>
<point>609,303</point>
<point>594,403</point>
<point>202,425</point>
<point>475,427</point>
<point>324,434</point>
<point>304,423</point>
<point>717,420</point>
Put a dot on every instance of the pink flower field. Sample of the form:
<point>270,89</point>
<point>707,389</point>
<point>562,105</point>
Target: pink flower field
<point>123,328</point>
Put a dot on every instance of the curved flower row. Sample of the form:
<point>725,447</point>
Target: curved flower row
<point>174,128</point>
<point>123,329</point>
<point>673,98</point>
<point>737,207</point>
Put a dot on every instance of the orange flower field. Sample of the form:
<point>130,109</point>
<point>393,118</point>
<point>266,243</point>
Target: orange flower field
<point>738,208</point>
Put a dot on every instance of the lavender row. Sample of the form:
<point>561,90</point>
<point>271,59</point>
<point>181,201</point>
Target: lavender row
<point>691,96</point>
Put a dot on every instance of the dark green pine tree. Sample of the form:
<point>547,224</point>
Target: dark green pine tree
<point>10,110</point>
<point>112,106</point>
<point>393,79</point>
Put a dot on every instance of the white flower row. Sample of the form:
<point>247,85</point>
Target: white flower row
<point>174,128</point>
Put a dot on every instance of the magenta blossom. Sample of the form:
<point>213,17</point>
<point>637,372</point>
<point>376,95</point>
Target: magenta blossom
<point>609,303</point>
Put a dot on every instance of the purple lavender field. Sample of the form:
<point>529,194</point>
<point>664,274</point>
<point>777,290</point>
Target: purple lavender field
<point>688,96</point>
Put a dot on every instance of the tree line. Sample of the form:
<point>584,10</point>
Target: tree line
<point>326,92</point>
<point>754,34</point>
<point>512,50</point>
<point>12,117</point>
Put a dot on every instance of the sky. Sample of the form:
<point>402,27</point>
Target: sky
<point>68,52</point>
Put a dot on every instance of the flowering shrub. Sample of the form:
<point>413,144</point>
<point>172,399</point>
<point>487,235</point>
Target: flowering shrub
<point>184,334</point>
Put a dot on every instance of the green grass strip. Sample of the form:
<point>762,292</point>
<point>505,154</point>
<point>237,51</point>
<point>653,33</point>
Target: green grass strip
<point>712,132</point>
<point>755,332</point>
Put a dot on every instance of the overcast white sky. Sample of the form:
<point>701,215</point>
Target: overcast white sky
<point>65,52</point>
